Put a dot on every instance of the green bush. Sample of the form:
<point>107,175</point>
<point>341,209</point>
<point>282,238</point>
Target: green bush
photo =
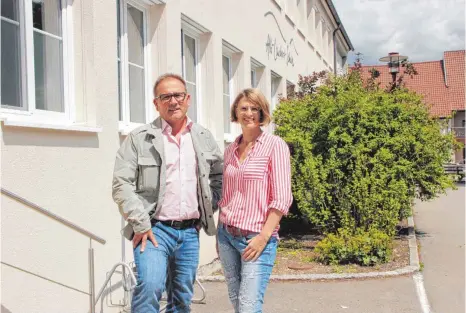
<point>361,154</point>
<point>364,247</point>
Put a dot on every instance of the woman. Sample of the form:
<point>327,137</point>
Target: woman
<point>256,194</point>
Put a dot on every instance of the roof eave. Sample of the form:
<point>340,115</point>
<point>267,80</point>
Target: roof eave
<point>342,28</point>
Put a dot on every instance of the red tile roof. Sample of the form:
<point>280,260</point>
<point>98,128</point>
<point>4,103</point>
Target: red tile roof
<point>440,82</point>
<point>455,68</point>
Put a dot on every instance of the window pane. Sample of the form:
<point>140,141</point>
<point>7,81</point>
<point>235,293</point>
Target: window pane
<point>226,114</point>
<point>192,111</point>
<point>136,95</point>
<point>118,29</point>
<point>48,70</point>
<point>120,103</point>
<point>46,16</point>
<point>11,65</point>
<point>253,79</point>
<point>290,90</point>
<point>189,50</point>
<point>226,75</point>
<point>135,36</point>
<point>10,9</point>
<point>274,89</point>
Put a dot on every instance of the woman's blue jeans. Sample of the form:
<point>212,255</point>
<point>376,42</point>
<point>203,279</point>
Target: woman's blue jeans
<point>247,281</point>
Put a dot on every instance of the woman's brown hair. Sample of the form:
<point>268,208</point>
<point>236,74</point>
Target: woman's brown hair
<point>256,97</point>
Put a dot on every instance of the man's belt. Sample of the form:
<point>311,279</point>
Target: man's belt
<point>178,224</point>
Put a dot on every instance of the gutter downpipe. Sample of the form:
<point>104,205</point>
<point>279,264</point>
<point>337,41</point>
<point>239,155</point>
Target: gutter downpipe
<point>335,48</point>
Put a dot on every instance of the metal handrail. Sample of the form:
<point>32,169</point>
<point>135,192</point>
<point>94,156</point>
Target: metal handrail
<point>458,131</point>
<point>54,216</point>
<point>75,227</point>
<point>109,276</point>
<point>93,298</point>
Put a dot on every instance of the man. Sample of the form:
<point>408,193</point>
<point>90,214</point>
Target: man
<point>167,182</point>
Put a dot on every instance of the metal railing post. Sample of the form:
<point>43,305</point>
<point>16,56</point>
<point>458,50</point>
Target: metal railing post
<point>91,278</point>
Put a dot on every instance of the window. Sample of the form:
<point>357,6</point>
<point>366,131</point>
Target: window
<point>275,84</point>
<point>317,24</point>
<point>189,51</point>
<point>300,4</point>
<point>11,55</point>
<point>132,59</point>
<point>275,94</point>
<point>325,39</point>
<point>257,70</point>
<point>290,89</point>
<point>227,93</point>
<point>330,43</point>
<point>310,22</point>
<point>34,52</point>
<point>253,78</point>
<point>322,33</point>
<point>290,9</point>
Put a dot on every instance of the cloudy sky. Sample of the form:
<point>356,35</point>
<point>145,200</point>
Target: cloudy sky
<point>420,29</point>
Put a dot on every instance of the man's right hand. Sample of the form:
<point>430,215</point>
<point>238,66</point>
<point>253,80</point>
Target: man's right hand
<point>142,237</point>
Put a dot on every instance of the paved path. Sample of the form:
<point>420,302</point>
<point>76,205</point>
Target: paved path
<point>369,296</point>
<point>440,225</point>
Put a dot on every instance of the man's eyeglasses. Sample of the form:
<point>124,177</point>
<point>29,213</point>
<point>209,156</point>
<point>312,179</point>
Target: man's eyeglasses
<point>179,96</point>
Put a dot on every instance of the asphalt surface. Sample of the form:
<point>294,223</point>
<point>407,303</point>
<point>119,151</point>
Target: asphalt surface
<point>441,231</point>
<point>440,228</point>
<point>368,296</point>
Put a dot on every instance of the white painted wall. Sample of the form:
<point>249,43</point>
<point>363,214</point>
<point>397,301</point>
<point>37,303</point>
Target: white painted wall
<point>69,172</point>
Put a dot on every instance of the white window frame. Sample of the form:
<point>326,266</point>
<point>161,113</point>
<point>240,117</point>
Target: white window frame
<point>309,17</point>
<point>301,12</point>
<point>228,136</point>
<point>27,114</point>
<point>274,96</point>
<point>186,31</point>
<point>290,10</point>
<point>125,124</point>
<point>323,31</point>
<point>317,22</point>
<point>255,65</point>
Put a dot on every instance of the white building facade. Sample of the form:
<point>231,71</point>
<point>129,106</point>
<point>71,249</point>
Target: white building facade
<point>77,77</point>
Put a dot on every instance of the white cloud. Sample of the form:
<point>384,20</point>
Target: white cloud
<point>420,29</point>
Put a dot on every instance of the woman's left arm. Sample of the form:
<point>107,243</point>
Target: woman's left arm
<point>281,199</point>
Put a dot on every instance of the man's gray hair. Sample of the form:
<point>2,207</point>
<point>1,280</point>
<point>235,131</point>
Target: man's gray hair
<point>166,76</point>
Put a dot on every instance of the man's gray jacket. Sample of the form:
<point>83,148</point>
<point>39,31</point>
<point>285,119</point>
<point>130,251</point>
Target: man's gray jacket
<point>139,176</point>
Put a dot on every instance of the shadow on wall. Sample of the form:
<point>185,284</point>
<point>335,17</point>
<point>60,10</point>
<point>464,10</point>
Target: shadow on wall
<point>5,310</point>
<point>17,136</point>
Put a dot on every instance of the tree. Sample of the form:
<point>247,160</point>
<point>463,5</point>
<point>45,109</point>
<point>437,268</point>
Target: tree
<point>361,154</point>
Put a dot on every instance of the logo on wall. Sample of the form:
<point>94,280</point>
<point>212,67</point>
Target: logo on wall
<point>278,49</point>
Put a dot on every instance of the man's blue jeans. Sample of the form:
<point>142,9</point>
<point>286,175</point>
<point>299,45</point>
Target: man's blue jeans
<point>177,256</point>
<point>247,281</point>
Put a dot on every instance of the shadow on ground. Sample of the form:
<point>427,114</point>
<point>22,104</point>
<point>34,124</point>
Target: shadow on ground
<point>421,234</point>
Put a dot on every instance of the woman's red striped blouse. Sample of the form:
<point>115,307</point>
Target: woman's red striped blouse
<point>261,182</point>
